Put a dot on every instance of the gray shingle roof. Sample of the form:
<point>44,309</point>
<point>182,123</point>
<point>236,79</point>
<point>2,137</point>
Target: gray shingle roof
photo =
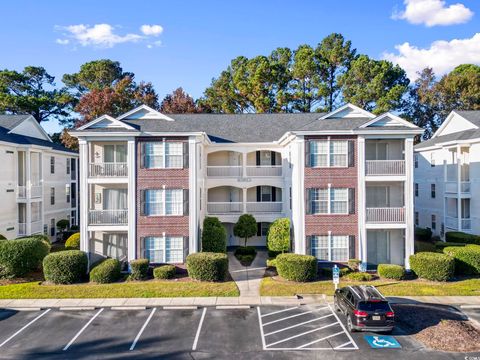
<point>12,121</point>
<point>471,115</point>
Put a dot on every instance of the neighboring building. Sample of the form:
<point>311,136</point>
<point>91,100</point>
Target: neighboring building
<point>38,179</point>
<point>344,178</point>
<point>446,170</point>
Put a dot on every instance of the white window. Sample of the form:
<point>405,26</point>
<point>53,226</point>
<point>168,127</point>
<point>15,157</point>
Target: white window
<point>164,155</point>
<point>116,153</point>
<point>164,202</point>
<point>416,218</point>
<point>329,201</point>
<point>67,192</point>
<point>330,247</point>
<point>68,166</point>
<point>166,249</point>
<point>329,153</point>
<point>434,222</point>
<point>52,165</point>
<point>432,160</point>
<point>52,196</point>
<point>266,193</point>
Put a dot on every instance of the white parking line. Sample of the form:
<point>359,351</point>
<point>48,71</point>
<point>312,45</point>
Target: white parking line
<point>300,324</point>
<point>197,335</point>
<point>142,329</point>
<point>279,311</point>
<point>23,328</point>
<point>292,316</point>
<point>322,339</point>
<point>301,334</point>
<point>82,330</point>
<point>264,347</point>
<point>341,347</point>
<point>344,329</point>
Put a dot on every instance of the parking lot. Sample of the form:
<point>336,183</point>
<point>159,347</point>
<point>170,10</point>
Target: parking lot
<point>280,332</point>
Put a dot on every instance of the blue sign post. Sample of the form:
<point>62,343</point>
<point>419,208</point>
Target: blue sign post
<point>382,342</point>
<point>336,275</point>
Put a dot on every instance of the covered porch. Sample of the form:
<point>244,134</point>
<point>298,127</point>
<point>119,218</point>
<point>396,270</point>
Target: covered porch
<point>385,247</point>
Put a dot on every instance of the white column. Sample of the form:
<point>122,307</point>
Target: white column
<point>244,164</point>
<point>28,184</point>
<point>84,194</point>
<point>298,194</point>
<point>459,189</point>
<point>244,200</point>
<point>362,231</point>
<point>409,203</point>
<point>193,195</point>
<point>132,233</point>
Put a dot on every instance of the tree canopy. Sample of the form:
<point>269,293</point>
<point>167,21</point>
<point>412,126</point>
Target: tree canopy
<point>245,227</point>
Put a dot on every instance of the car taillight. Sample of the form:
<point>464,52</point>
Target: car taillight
<point>389,314</point>
<point>360,313</point>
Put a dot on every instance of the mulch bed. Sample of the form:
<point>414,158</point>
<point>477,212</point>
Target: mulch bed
<point>438,327</point>
<point>33,276</point>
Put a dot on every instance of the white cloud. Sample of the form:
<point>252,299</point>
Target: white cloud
<point>62,41</point>
<point>442,55</point>
<point>151,30</point>
<point>100,35</point>
<point>434,12</point>
<point>154,44</point>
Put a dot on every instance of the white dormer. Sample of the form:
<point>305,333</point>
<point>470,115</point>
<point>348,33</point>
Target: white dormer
<point>454,123</point>
<point>30,127</point>
<point>144,112</point>
<point>348,111</point>
<point>386,120</point>
<point>104,122</point>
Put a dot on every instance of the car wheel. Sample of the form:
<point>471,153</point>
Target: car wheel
<point>349,324</point>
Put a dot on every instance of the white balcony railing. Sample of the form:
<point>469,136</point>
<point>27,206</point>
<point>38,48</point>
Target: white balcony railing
<point>466,224</point>
<point>108,170</point>
<point>264,207</point>
<point>224,171</point>
<point>386,215</point>
<point>22,229</point>
<point>224,207</point>
<point>36,191</point>
<point>385,167</point>
<point>108,217</point>
<point>452,223</point>
<point>264,170</point>
<point>21,192</point>
<point>452,188</point>
<point>36,227</point>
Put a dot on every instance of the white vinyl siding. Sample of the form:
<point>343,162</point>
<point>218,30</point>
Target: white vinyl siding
<point>168,249</point>
<point>164,202</point>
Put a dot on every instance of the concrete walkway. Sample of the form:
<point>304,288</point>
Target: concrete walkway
<point>248,278</point>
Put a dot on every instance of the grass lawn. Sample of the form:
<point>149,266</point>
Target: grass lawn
<point>143,289</point>
<point>279,287</point>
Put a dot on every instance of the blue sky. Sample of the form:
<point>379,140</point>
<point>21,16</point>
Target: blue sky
<point>200,38</point>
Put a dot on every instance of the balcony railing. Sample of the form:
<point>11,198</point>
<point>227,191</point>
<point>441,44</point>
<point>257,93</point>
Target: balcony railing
<point>36,191</point>
<point>385,167</point>
<point>224,207</point>
<point>22,229</point>
<point>224,171</point>
<point>386,215</point>
<point>36,227</point>
<point>451,187</point>
<point>108,217</point>
<point>21,192</point>
<point>264,170</point>
<point>108,170</point>
<point>264,207</point>
<point>452,223</point>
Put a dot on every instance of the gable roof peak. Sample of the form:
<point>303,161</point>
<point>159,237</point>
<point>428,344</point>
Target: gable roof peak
<point>348,111</point>
<point>144,112</point>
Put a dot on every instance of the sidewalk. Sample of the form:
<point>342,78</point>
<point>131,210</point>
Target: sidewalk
<point>248,278</point>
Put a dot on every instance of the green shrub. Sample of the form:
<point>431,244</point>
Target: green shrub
<point>354,264</point>
<point>245,250</point>
<point>273,254</point>
<point>2,237</point>
<point>164,272</point>
<point>328,272</point>
<point>296,267</point>
<point>432,266</point>
<point>424,246</point>
<point>65,267</point>
<point>139,269</point>
<point>245,227</point>
<point>440,245</point>
<point>107,271</point>
<point>37,236</point>
<point>271,262</point>
<point>391,271</point>
<point>461,237</point>
<point>63,224</point>
<point>278,237</point>
<point>214,236</point>
<point>73,242</point>
<point>19,257</point>
<point>423,234</point>
<point>467,259</point>
<point>207,266</point>
<point>359,276</point>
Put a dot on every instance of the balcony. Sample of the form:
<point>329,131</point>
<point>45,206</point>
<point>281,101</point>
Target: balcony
<point>451,187</point>
<point>35,227</point>
<point>35,191</point>
<point>238,207</point>
<point>21,192</point>
<point>385,215</point>
<point>224,171</point>
<point>264,170</point>
<point>225,207</point>
<point>108,217</point>
<point>264,207</point>
<point>22,229</point>
<point>108,170</point>
<point>452,223</point>
<point>385,167</point>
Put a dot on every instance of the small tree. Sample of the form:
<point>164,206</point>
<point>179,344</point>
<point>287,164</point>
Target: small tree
<point>245,227</point>
<point>214,236</point>
<point>62,225</point>
<point>278,238</point>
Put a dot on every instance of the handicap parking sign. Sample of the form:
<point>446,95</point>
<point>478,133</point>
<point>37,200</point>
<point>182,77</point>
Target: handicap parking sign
<point>382,342</point>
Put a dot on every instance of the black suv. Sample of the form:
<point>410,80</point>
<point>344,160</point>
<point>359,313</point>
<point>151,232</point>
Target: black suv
<point>366,309</point>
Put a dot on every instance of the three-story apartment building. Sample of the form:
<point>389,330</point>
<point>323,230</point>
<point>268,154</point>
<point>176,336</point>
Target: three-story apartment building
<point>445,176</point>
<point>38,181</point>
<point>345,179</point>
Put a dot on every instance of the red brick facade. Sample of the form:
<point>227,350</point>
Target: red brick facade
<point>346,177</point>
<point>156,179</point>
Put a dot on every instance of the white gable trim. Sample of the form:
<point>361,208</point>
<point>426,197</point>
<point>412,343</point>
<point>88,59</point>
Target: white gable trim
<point>447,121</point>
<point>109,118</point>
<point>36,124</point>
<point>152,113</point>
<point>345,107</point>
<point>398,119</point>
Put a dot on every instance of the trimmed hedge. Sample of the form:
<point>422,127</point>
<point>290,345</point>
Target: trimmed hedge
<point>354,264</point>
<point>461,237</point>
<point>391,271</point>
<point>296,267</point>
<point>359,276</point>
<point>245,250</point>
<point>278,236</point>
<point>37,237</point>
<point>107,271</point>
<point>214,236</point>
<point>440,245</point>
<point>73,242</point>
<point>271,262</point>
<point>139,269</point>
<point>65,267</point>
<point>432,266</point>
<point>164,272</point>
<point>207,266</point>
<point>423,234</point>
<point>467,259</point>
<point>2,237</point>
<point>19,257</point>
